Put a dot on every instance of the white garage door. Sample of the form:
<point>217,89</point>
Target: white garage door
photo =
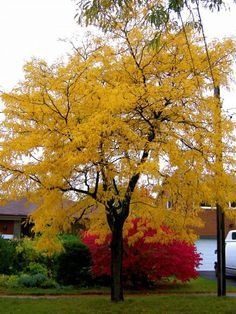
<point>207,249</point>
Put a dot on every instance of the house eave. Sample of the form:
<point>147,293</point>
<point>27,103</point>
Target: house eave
<point>12,217</point>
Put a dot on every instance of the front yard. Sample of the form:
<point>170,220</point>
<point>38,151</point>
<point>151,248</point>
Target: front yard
<point>132,305</point>
<point>198,286</point>
<point>198,296</point>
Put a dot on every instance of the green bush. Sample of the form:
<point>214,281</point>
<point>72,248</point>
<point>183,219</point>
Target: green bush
<point>27,267</point>
<point>39,279</point>
<point>26,280</point>
<point>36,268</point>
<point>30,268</point>
<point>36,280</point>
<point>27,254</point>
<point>13,281</point>
<point>3,280</point>
<point>74,263</point>
<point>49,283</point>
<point>7,256</point>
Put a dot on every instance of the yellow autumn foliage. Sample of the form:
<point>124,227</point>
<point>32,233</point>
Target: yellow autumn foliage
<point>117,131</point>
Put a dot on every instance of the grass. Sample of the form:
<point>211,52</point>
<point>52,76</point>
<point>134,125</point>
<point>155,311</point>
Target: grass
<point>54,291</point>
<point>182,298</point>
<point>132,305</point>
<point>201,285</point>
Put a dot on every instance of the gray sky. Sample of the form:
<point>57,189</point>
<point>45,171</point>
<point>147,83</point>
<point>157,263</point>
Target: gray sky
<point>219,25</point>
<point>33,28</point>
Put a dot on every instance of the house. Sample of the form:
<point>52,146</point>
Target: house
<point>13,218</point>
<point>14,222</point>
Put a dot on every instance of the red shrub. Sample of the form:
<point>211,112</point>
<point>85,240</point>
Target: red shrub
<point>144,262</point>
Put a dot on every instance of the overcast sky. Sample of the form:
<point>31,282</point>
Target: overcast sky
<point>33,28</point>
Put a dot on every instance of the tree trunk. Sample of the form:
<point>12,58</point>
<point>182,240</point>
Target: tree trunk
<point>116,262</point>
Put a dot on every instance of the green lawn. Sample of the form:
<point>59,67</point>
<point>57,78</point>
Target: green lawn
<point>184,298</point>
<point>134,304</point>
<point>201,285</point>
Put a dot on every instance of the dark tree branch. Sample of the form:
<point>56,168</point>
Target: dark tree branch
<point>96,185</point>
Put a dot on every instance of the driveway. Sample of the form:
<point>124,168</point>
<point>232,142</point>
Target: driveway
<point>211,275</point>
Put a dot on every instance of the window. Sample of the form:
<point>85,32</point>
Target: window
<point>232,204</point>
<point>169,204</point>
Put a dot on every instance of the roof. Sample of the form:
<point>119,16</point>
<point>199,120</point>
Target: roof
<point>17,208</point>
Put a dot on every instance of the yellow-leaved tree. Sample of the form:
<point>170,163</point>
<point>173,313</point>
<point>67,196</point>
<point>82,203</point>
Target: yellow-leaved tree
<point>120,119</point>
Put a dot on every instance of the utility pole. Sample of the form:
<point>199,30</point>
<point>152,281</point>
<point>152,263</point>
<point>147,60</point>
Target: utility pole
<point>221,278</point>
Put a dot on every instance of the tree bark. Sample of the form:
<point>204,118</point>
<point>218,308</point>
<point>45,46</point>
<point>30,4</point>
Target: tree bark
<point>116,262</point>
